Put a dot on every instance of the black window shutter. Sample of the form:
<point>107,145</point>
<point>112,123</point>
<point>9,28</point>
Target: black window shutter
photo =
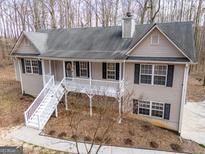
<point>104,70</point>
<point>40,67</point>
<point>88,69</point>
<point>117,71</point>
<point>170,75</point>
<point>167,111</point>
<point>135,106</point>
<point>137,74</point>
<point>77,65</point>
<point>23,65</point>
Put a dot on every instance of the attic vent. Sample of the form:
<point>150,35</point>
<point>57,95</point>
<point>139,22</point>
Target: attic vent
<point>155,39</point>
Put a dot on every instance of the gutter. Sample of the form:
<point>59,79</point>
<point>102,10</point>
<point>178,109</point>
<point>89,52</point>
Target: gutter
<point>183,98</point>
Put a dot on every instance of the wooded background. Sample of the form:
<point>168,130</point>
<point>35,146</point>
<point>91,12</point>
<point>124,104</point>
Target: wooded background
<point>33,15</point>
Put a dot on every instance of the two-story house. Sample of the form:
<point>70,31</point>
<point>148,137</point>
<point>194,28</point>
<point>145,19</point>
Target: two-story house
<point>152,60</point>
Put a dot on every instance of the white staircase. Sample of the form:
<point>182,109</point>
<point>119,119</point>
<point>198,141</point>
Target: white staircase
<point>37,115</point>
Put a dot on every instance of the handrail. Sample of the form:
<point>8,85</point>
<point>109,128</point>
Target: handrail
<point>56,90</point>
<point>46,87</point>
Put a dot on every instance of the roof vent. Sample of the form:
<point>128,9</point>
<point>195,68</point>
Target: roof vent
<point>128,26</point>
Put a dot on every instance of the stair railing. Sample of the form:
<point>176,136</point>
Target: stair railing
<point>32,108</point>
<point>55,98</point>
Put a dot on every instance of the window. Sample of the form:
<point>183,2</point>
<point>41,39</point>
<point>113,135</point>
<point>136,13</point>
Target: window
<point>111,71</point>
<point>28,66</point>
<point>31,66</point>
<point>148,108</point>
<point>83,69</point>
<point>144,107</point>
<point>146,74</point>
<point>157,109</point>
<point>153,74</point>
<point>160,73</point>
<point>155,39</point>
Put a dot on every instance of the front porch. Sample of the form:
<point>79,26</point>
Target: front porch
<point>88,77</point>
<point>62,77</point>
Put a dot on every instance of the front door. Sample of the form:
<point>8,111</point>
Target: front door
<point>68,69</point>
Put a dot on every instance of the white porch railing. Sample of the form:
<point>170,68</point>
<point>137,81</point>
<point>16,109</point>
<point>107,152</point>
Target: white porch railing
<point>53,101</point>
<point>98,87</point>
<point>33,107</point>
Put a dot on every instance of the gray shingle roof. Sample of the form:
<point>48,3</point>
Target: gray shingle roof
<point>106,42</point>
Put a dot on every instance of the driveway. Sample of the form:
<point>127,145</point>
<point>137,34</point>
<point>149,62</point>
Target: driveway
<point>193,124</point>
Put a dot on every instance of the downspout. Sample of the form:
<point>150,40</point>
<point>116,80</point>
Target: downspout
<point>183,98</point>
<point>20,73</point>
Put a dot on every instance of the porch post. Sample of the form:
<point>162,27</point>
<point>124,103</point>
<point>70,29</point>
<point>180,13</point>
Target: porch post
<point>72,69</point>
<point>50,67</point>
<point>120,109</point>
<point>120,74</point>
<point>43,72</point>
<point>123,77</point>
<point>56,112</point>
<point>90,73</point>
<point>66,100</point>
<point>20,72</point>
<point>91,102</point>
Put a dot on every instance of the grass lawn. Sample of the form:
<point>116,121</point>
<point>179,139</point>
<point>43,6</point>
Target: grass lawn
<point>130,133</point>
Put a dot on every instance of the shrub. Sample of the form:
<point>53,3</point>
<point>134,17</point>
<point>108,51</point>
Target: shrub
<point>128,141</point>
<point>98,139</point>
<point>75,137</point>
<point>154,144</point>
<point>108,140</point>
<point>87,138</point>
<point>61,135</point>
<point>146,127</point>
<point>17,120</point>
<point>52,132</point>
<point>131,133</point>
<point>176,147</point>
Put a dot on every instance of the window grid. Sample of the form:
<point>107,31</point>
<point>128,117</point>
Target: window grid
<point>149,108</point>
<point>144,107</point>
<point>111,71</point>
<point>146,74</point>
<point>154,39</point>
<point>83,69</point>
<point>154,74</point>
<point>31,66</point>
<point>157,109</point>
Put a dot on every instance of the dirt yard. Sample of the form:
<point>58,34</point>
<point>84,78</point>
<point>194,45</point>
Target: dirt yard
<point>195,91</point>
<point>13,104</point>
<point>12,107</point>
<point>130,133</point>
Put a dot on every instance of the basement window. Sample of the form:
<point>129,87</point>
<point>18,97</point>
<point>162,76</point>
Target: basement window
<point>148,108</point>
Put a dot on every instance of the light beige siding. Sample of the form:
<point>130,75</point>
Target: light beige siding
<point>32,83</point>
<point>46,64</point>
<point>17,71</point>
<point>164,49</point>
<point>57,69</point>
<point>171,95</point>
<point>26,47</point>
<point>97,71</point>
